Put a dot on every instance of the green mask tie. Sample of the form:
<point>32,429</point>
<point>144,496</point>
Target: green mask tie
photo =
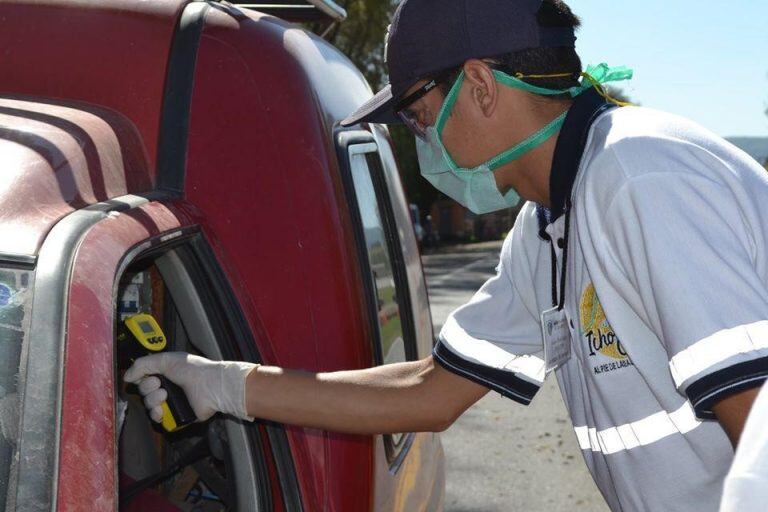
<point>594,76</point>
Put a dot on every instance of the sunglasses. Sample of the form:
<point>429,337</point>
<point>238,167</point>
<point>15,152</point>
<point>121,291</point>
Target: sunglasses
<point>409,118</point>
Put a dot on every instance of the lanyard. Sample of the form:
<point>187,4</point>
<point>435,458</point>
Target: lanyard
<point>559,304</point>
<point>568,153</point>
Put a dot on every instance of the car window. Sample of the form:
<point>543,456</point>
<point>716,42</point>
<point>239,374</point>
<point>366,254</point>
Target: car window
<point>380,260</point>
<point>207,462</point>
<point>15,308</point>
<point>145,450</point>
<point>382,248</point>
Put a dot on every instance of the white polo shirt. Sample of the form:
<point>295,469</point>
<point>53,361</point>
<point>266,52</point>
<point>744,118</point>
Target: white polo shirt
<point>666,293</point>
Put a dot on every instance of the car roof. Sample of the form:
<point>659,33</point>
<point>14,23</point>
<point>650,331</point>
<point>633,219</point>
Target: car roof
<point>57,158</point>
<point>111,53</point>
<point>84,121</point>
<point>291,60</point>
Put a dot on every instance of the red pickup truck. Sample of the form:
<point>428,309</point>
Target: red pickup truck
<point>184,159</point>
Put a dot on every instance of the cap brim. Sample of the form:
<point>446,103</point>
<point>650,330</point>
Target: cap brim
<point>378,109</point>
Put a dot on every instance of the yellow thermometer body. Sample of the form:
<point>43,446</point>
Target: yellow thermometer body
<point>147,332</point>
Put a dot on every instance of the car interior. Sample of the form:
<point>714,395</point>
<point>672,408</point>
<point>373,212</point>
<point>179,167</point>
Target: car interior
<point>15,307</point>
<point>205,466</point>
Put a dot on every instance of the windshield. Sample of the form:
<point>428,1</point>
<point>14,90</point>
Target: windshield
<point>15,306</point>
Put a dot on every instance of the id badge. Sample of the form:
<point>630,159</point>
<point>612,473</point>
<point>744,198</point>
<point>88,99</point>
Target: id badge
<point>557,338</point>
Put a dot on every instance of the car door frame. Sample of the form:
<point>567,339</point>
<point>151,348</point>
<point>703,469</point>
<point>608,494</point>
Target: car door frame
<point>64,462</point>
<point>365,143</point>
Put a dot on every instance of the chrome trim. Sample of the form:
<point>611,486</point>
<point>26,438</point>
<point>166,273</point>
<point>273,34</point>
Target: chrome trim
<point>361,149</point>
<point>404,449</point>
<point>327,7</point>
<point>331,8</point>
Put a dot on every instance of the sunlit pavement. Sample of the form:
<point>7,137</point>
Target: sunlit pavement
<point>502,456</point>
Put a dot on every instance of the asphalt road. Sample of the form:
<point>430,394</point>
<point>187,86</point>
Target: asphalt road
<point>500,455</point>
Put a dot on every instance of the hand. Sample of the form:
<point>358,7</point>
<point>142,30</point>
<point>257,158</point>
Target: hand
<point>210,386</point>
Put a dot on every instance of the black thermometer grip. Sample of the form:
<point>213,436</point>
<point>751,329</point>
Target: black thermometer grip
<point>181,413</point>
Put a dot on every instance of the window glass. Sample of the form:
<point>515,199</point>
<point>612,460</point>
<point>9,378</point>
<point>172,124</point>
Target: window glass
<point>379,253</point>
<point>382,275</point>
<point>15,308</point>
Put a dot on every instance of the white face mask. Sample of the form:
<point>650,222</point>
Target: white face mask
<point>476,188</point>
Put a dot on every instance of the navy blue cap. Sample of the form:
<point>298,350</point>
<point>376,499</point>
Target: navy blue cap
<point>429,36</point>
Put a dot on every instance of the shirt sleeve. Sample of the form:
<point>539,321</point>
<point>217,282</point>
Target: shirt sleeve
<point>690,261</point>
<point>495,339</point>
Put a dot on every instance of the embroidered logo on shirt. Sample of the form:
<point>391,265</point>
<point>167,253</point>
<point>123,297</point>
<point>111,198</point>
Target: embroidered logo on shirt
<point>599,335</point>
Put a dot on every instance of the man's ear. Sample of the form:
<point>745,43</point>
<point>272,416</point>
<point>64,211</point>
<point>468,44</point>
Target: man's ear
<point>482,86</point>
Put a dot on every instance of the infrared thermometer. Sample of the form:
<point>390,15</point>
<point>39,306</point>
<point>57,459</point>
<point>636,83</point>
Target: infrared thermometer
<point>141,335</point>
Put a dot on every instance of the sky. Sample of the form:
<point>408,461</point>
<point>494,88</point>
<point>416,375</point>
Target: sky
<point>704,59</point>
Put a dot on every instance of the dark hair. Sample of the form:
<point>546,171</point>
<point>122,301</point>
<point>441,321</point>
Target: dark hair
<point>541,61</point>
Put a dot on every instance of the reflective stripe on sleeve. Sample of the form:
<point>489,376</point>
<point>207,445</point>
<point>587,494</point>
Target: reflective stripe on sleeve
<point>638,433</point>
<point>717,348</point>
<point>490,354</point>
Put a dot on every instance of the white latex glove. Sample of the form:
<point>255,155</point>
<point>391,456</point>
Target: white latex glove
<point>210,386</point>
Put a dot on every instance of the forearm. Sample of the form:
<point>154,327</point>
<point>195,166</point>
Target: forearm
<point>385,399</point>
<point>732,412</point>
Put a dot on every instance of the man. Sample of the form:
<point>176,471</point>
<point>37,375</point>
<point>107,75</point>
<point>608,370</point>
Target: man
<point>637,272</point>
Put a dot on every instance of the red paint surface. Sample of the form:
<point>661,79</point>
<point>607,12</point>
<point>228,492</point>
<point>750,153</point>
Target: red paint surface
<point>57,158</point>
<point>112,54</point>
<point>87,456</point>
<point>277,181</point>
